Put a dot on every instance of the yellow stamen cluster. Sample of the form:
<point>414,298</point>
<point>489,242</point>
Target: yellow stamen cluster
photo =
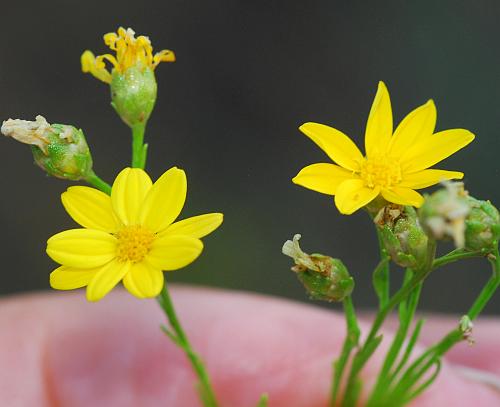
<point>130,51</point>
<point>380,172</point>
<point>134,243</point>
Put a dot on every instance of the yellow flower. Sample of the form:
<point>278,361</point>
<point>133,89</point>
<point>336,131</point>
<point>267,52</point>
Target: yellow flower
<point>130,51</point>
<point>127,236</point>
<point>395,165</point>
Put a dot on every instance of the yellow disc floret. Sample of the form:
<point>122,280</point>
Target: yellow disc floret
<point>134,243</point>
<point>130,51</point>
<point>382,172</point>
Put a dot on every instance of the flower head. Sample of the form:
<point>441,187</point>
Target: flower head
<point>129,236</point>
<point>130,52</point>
<point>323,277</point>
<point>59,149</point>
<point>395,164</point>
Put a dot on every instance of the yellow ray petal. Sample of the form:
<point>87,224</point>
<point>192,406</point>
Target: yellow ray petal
<point>90,208</point>
<point>82,248</point>
<point>322,177</point>
<point>335,144</point>
<point>143,280</point>
<point>196,226</point>
<point>70,278</point>
<point>403,196</point>
<point>379,126</point>
<point>165,200</point>
<point>417,125</point>
<point>106,279</point>
<point>352,195</point>
<point>127,195</point>
<point>426,178</point>
<point>434,149</point>
<point>174,252</point>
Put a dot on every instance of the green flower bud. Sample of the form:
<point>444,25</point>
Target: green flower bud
<point>402,235</point>
<point>444,212</point>
<point>133,94</point>
<point>59,149</point>
<point>323,277</point>
<point>482,225</point>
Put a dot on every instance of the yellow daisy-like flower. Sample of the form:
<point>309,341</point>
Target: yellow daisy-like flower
<point>130,51</point>
<point>395,165</point>
<point>127,236</point>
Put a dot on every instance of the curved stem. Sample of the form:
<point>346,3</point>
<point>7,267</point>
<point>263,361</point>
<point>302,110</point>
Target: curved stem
<point>99,183</point>
<point>432,355</point>
<point>456,255</point>
<point>180,338</point>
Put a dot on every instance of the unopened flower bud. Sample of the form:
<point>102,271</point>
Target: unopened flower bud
<point>444,212</point>
<point>59,149</point>
<point>402,235</point>
<point>323,277</point>
<point>482,225</point>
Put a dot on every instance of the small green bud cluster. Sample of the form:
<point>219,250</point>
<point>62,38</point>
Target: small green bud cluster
<point>452,213</point>
<point>323,277</point>
<point>402,235</point>
<point>482,225</point>
<point>133,94</point>
<point>61,150</point>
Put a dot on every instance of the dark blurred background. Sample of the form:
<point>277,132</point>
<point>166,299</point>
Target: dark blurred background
<point>248,73</point>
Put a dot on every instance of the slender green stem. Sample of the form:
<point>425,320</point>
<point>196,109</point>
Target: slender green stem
<point>372,340</point>
<point>381,281</point>
<point>409,349</point>
<point>406,314</point>
<point>432,356</point>
<point>99,183</point>
<point>456,255</point>
<point>351,340</point>
<point>138,148</point>
<point>180,338</point>
<point>263,401</point>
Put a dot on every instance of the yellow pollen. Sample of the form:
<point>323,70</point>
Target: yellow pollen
<point>134,243</point>
<point>381,172</point>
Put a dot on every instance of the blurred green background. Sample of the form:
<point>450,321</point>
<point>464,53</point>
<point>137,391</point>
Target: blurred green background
<point>248,73</point>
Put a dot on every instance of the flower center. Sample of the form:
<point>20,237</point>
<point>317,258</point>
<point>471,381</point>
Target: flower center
<point>381,172</point>
<point>134,243</point>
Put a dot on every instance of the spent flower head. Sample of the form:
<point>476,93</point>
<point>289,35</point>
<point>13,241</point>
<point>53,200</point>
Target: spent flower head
<point>129,236</point>
<point>323,277</point>
<point>59,149</point>
<point>444,213</point>
<point>396,162</point>
<point>132,78</point>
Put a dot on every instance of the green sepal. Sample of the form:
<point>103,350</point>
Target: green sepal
<point>482,225</point>
<point>68,155</point>
<point>332,284</point>
<point>133,94</point>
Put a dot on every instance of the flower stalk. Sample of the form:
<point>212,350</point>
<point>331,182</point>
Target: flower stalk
<point>179,337</point>
<point>97,182</point>
<point>350,342</point>
<point>139,149</point>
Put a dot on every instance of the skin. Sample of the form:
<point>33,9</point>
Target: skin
<point>58,350</point>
